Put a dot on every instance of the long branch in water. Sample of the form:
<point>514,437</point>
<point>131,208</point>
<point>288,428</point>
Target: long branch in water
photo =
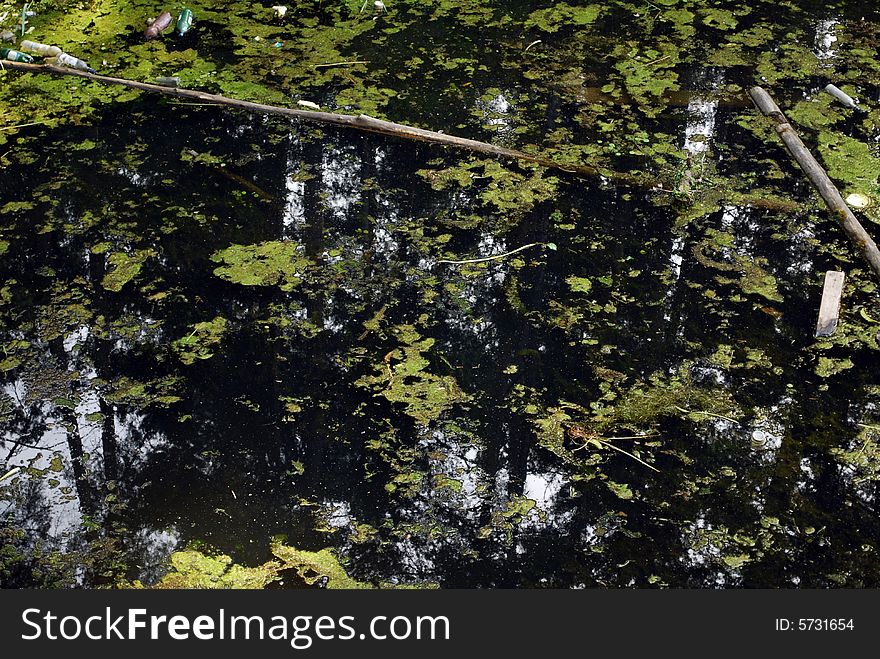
<point>359,122</point>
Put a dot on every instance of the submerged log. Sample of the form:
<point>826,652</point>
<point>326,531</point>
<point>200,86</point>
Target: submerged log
<point>819,178</point>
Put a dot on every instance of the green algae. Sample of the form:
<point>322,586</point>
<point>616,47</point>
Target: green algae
<point>503,522</point>
<point>505,195</point>
<point>816,114</point>
<point>648,74</point>
<point>123,268</point>
<point>321,567</point>
<point>863,455</point>
<point>753,278</point>
<point>562,15</point>
<point>159,392</point>
<point>403,378</point>
<point>201,342</point>
<point>828,366</point>
<point>850,161</point>
<point>579,284</point>
<point>195,569</point>
<point>273,263</point>
<point>647,402</point>
<point>620,490</point>
<point>721,19</point>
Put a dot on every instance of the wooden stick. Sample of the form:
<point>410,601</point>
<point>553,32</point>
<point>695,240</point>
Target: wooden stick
<point>819,178</point>
<point>335,64</point>
<point>359,122</point>
<point>491,258</point>
<point>829,310</point>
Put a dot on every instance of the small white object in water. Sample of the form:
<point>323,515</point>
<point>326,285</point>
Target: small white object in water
<point>379,5</point>
<point>9,474</point>
<point>309,104</point>
<point>841,96</point>
<point>759,438</point>
<point>280,11</point>
<point>857,200</point>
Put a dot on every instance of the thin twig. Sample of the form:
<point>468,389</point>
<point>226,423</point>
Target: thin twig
<point>865,425</point>
<point>603,441</point>
<point>534,43</point>
<point>637,459</point>
<point>332,64</point>
<point>719,416</point>
<point>32,123</point>
<point>658,60</point>
<point>491,258</point>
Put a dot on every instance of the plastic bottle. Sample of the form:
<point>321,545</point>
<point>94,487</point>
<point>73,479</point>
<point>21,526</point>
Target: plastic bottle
<point>15,56</point>
<point>161,23</point>
<point>40,48</point>
<point>841,96</point>
<point>184,21</point>
<point>74,63</point>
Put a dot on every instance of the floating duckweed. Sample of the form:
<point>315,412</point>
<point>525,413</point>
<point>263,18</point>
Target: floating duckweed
<point>123,268</point>
<point>402,377</point>
<point>201,341</point>
<point>274,263</point>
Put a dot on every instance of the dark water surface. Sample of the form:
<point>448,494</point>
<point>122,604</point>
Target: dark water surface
<point>219,328</point>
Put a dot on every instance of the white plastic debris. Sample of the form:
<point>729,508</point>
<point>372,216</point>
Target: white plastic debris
<point>378,5</point>
<point>309,105</point>
<point>280,11</point>
<point>857,200</point>
<point>841,96</point>
<point>759,439</point>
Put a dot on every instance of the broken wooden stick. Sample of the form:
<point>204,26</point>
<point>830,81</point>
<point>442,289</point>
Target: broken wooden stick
<point>819,178</point>
<point>360,121</point>
<point>829,310</point>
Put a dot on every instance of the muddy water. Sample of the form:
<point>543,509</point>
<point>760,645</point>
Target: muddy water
<point>218,329</point>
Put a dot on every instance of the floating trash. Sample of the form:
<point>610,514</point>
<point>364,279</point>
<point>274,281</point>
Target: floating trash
<point>841,96</point>
<point>378,5</point>
<point>73,62</point>
<point>6,35</point>
<point>309,104</point>
<point>857,200</point>
<point>15,56</point>
<point>168,82</point>
<point>40,48</point>
<point>157,26</point>
<point>184,21</point>
<point>760,439</point>
<point>280,11</point>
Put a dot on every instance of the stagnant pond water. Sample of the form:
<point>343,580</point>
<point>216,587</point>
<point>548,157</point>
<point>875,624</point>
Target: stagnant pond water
<point>219,328</point>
